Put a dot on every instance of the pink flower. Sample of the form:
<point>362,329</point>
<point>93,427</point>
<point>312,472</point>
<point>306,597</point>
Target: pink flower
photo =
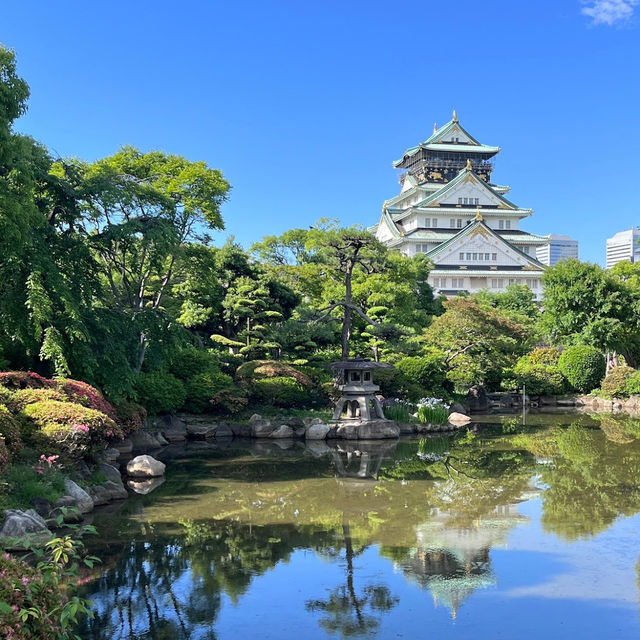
<point>25,581</point>
<point>83,428</point>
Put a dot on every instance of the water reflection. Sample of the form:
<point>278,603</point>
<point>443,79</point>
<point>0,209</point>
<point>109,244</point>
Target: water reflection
<point>435,511</point>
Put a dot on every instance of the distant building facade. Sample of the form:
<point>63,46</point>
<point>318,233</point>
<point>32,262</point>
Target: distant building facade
<point>623,246</point>
<point>449,209</point>
<point>557,248</point>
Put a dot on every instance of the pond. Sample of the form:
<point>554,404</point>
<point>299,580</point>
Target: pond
<point>505,531</point>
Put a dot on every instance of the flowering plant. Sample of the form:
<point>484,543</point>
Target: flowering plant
<point>433,411</point>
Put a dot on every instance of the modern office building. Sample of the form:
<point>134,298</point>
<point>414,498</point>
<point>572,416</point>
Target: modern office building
<point>623,246</point>
<point>557,248</point>
<point>449,209</point>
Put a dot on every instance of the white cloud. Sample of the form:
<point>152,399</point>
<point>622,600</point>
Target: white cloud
<point>609,12</point>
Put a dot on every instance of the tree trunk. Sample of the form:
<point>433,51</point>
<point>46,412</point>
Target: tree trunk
<point>346,318</point>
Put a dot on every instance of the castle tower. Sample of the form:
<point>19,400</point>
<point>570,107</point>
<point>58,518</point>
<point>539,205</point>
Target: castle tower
<point>449,209</point>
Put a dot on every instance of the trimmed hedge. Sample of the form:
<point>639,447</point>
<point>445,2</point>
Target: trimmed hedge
<point>425,374</point>
<point>538,371</point>
<point>260,369</point>
<point>160,392</point>
<point>615,384</point>
<point>583,367</point>
<point>71,429</point>
<point>190,362</point>
<point>283,392</point>
<point>10,430</point>
<point>633,384</point>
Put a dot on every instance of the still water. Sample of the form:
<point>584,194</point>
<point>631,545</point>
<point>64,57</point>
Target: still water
<point>501,532</point>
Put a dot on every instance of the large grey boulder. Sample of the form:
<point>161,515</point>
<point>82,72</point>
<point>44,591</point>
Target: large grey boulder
<point>145,467</point>
<point>240,429</point>
<point>347,431</point>
<point>174,429</point>
<point>378,430</point>
<point>18,524</point>
<point>110,455</point>
<point>283,431</point>
<point>311,421</point>
<point>261,428</point>
<point>82,500</point>
<point>456,407</point>
<point>317,432</point>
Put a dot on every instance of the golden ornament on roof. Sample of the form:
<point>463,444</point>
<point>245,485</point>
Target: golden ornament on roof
<point>479,217</point>
<point>455,116</point>
<point>435,127</point>
<point>469,165</point>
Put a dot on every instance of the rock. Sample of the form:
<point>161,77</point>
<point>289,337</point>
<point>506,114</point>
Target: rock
<point>201,430</point>
<point>317,431</point>
<point>311,421</point>
<point>459,418</point>
<point>17,523</point>
<point>256,417</point>
<point>548,401</point>
<point>145,486</point>
<point>566,401</point>
<point>477,399</point>
<point>456,407</point>
<point>378,429</point>
<point>240,429</point>
<point>294,422</point>
<point>261,428</point>
<point>82,499</point>
<point>21,524</point>
<point>99,495</point>
<point>110,472</point>
<point>143,441</point>
<point>407,428</point>
<point>115,491</point>
<point>110,455</point>
<point>173,428</point>
<point>223,431</point>
<point>175,435</point>
<point>300,432</point>
<point>283,431</point>
<point>125,446</point>
<point>162,441</point>
<point>347,431</point>
<point>145,467</point>
<point>42,507</point>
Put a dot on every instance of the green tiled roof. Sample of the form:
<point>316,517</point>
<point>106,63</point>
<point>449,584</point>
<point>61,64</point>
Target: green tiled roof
<point>433,143</point>
<point>466,230</point>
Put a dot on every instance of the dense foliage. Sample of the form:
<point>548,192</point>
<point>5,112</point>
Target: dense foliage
<point>583,367</point>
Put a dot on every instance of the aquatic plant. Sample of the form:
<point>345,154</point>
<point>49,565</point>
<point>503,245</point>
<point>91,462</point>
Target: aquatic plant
<point>433,411</point>
<point>397,409</point>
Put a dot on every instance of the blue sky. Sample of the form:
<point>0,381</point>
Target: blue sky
<point>304,105</point>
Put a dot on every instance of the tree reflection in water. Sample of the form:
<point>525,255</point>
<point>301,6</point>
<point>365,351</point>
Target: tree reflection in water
<point>435,509</point>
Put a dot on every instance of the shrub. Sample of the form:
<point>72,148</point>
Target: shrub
<point>86,395</point>
<point>24,483</point>
<point>427,371</point>
<point>160,392</point>
<point>6,395</point>
<point>10,430</point>
<point>544,355</point>
<point>70,429</point>
<point>583,367</point>
<point>615,383</point>
<point>24,379</point>
<point>229,401</point>
<point>281,391</point>
<point>539,375</point>
<point>29,395</point>
<point>201,389</point>
<point>633,384</point>
<point>190,362</point>
<point>131,416</point>
<point>4,455</point>
<point>271,369</point>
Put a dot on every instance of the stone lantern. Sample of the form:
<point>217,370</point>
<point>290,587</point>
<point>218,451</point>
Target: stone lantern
<point>358,399</point>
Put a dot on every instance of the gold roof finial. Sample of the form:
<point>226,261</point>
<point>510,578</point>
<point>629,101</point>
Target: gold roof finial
<point>455,116</point>
<point>479,217</point>
<point>435,127</point>
<point>469,167</point>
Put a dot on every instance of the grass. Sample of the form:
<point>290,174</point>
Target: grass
<point>21,483</point>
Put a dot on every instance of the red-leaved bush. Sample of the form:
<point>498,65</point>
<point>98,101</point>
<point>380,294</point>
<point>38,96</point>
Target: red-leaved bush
<point>24,380</point>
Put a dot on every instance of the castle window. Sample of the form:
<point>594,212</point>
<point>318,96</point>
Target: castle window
<point>434,222</point>
<point>487,256</point>
<point>452,222</point>
<point>508,223</point>
<point>500,224</point>
<point>457,283</point>
<point>494,256</point>
<point>459,223</point>
<point>461,255</point>
<point>475,256</point>
<point>468,256</point>
<point>427,222</point>
<point>459,200</point>
<point>466,200</point>
<point>477,201</point>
